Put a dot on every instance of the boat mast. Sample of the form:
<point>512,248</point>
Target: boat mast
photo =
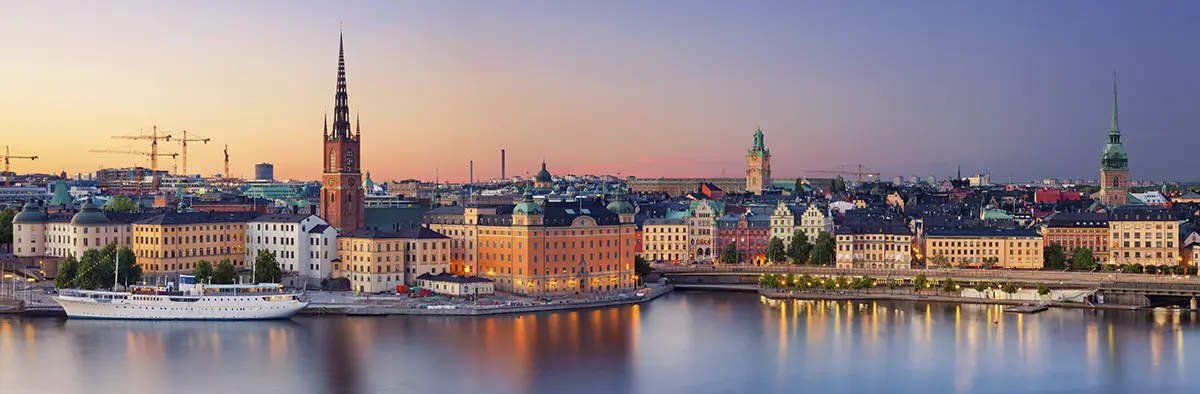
<point>117,270</point>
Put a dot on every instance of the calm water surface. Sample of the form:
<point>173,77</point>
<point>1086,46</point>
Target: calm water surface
<point>687,342</point>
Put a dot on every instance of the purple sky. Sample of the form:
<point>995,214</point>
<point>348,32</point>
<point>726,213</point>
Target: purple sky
<point>646,88</point>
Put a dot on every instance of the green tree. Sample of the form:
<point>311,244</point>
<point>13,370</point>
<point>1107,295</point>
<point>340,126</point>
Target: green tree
<point>641,267</point>
<point>892,284</point>
<point>807,281</point>
<point>1081,259</point>
<point>1043,290</point>
<point>949,286</point>
<point>822,252</point>
<point>799,248</point>
<point>204,271</point>
<point>920,283</point>
<point>129,272</point>
<point>775,251</point>
<point>66,273</point>
<point>829,284</point>
<point>1054,257</point>
<point>1009,289</point>
<point>224,273</point>
<point>730,255</point>
<point>121,203</point>
<point>980,288</point>
<point>1192,270</point>
<point>1137,268</point>
<point>95,270</point>
<point>939,261</point>
<point>1180,270</point>
<point>266,268</point>
<point>766,280</point>
<point>6,226</point>
<point>838,186</point>
<point>1151,269</point>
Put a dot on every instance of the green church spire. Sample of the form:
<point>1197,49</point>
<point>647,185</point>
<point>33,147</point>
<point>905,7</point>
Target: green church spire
<point>1114,157</point>
<point>1115,129</point>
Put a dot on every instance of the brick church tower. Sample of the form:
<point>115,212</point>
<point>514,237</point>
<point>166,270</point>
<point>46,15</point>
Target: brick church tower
<point>341,188</point>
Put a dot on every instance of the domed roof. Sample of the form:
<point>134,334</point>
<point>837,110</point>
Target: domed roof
<point>368,183</point>
<point>30,213</point>
<point>527,205</point>
<point>620,205</point>
<point>543,175</point>
<point>89,215</point>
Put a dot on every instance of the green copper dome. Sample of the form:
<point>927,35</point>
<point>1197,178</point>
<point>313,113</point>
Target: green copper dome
<point>527,206</point>
<point>89,215</point>
<point>620,205</point>
<point>30,213</point>
<point>61,196</point>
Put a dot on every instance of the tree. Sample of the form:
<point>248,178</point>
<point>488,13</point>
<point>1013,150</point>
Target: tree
<point>204,271</point>
<point>121,203</point>
<point>730,255</point>
<point>799,248</point>
<point>66,273</point>
<point>129,272</point>
<point>641,266</point>
<point>949,286</point>
<point>1151,269</point>
<point>1137,268</point>
<point>775,252</point>
<point>892,284</point>
<point>1054,257</point>
<point>829,284</point>
<point>95,270</point>
<point>1081,259</point>
<point>939,261</point>
<point>822,252</point>
<point>980,288</point>
<point>838,186</point>
<point>224,273</point>
<point>6,228</point>
<point>1192,270</point>
<point>1180,270</point>
<point>789,280</point>
<point>1043,290</point>
<point>266,268</point>
<point>807,281</point>
<point>920,282</point>
<point>766,280</point>
<point>1009,289</point>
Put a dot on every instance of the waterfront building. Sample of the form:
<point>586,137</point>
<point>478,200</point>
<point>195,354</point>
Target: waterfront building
<point>43,239</point>
<point>303,244</point>
<point>1114,163</point>
<point>173,242</point>
<point>377,261</point>
<point>758,165</point>
<point>1078,230</point>
<point>456,285</point>
<point>341,193</point>
<point>558,246</point>
<point>1141,234</point>
<point>873,240</point>
<point>787,219</point>
<point>986,247</point>
<point>665,240</point>
<point>749,232</point>
<point>702,229</point>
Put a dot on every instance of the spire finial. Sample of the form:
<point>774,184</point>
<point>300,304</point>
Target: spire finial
<point>1114,128</point>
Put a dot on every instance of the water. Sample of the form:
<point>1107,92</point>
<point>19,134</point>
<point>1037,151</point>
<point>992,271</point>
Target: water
<point>687,342</point>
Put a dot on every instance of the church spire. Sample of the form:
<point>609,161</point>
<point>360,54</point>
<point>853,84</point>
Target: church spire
<point>341,108</point>
<point>1114,130</point>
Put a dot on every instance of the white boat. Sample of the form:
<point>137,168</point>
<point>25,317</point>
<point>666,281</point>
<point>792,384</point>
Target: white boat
<point>190,302</point>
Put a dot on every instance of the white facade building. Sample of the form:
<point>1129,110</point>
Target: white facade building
<point>303,244</point>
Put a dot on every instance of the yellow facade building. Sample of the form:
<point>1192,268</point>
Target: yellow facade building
<point>1141,234</point>
<point>377,261</point>
<point>665,240</point>
<point>174,242</point>
<point>986,248</point>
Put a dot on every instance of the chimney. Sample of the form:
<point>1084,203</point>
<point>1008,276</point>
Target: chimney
<point>502,176</point>
<point>471,171</point>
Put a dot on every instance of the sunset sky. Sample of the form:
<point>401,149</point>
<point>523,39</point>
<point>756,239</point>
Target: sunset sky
<point>648,88</point>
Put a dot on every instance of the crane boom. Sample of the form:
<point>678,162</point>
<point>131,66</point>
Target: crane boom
<point>184,141</point>
<point>7,171</point>
<point>154,136</point>
<point>858,170</point>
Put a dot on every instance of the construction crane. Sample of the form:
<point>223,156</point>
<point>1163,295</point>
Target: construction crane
<point>153,161</point>
<point>184,141</point>
<point>7,170</point>
<point>226,161</point>
<point>859,170</point>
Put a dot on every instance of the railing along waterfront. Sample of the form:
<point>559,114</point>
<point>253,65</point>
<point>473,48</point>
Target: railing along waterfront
<point>1000,275</point>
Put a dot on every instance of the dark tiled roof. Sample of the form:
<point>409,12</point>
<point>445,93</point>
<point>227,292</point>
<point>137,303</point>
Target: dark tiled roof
<point>1133,213</point>
<point>371,233</point>
<point>864,224</point>
<point>320,228</point>
<point>177,218</point>
<point>984,232</point>
<point>652,222</point>
<point>448,277</point>
<point>421,233</point>
<point>1077,220</point>
<point>282,217</point>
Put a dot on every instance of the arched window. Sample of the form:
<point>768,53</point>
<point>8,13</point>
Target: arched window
<point>332,159</point>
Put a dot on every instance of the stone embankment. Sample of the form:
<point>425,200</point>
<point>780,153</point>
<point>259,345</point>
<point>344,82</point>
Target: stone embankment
<point>469,310</point>
<point>879,296</point>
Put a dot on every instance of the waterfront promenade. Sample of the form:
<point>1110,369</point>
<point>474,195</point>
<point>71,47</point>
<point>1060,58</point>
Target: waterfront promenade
<point>992,275</point>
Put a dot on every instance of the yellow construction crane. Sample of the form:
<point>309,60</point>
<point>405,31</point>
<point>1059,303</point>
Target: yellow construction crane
<point>226,174</point>
<point>153,161</point>
<point>184,141</point>
<point>855,169</point>
<point>7,170</point>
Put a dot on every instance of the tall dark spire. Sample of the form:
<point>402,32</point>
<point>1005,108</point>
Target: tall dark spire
<point>1114,130</point>
<point>341,108</point>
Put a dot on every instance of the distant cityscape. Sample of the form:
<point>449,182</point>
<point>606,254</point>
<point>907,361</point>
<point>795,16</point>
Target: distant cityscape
<point>559,234</point>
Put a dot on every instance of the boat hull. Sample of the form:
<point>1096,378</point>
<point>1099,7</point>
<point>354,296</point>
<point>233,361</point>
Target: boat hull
<point>206,308</point>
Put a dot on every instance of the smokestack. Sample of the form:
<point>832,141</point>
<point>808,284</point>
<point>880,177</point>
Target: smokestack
<point>502,177</point>
<point>471,180</point>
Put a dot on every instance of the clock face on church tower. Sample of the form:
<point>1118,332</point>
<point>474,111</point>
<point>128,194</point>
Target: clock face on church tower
<point>331,182</point>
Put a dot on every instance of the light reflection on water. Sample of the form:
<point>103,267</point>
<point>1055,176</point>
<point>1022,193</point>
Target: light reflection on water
<point>688,342</point>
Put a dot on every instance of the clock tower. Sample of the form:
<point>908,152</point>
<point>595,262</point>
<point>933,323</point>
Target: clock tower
<point>758,165</point>
<point>1114,163</point>
<point>341,184</point>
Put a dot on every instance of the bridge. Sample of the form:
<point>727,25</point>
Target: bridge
<point>1134,289</point>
